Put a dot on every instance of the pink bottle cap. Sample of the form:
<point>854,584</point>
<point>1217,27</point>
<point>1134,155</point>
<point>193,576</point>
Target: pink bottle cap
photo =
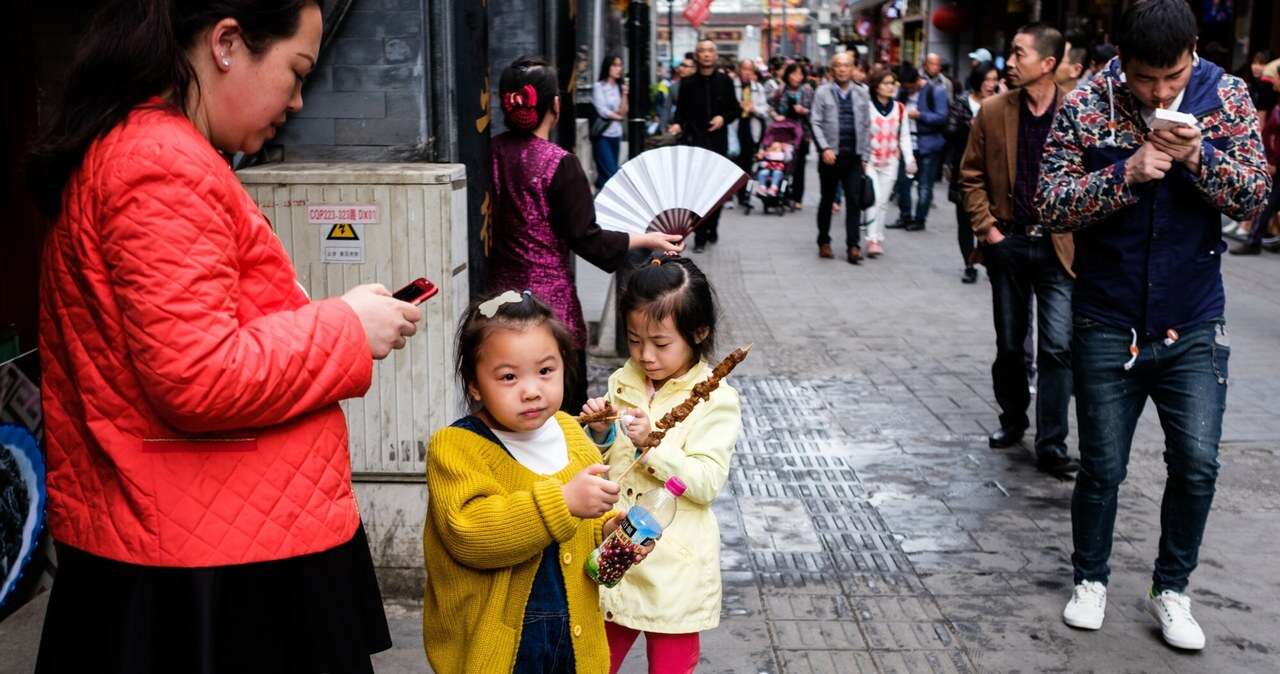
<point>676,486</point>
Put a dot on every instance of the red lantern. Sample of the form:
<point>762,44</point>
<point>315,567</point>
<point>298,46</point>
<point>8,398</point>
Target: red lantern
<point>950,18</point>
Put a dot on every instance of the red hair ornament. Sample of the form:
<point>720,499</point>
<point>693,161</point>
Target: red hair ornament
<point>521,107</point>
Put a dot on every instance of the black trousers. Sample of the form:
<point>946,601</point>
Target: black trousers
<point>1019,268</point>
<point>964,234</point>
<point>746,155</point>
<point>847,171</point>
<point>798,166</point>
<point>709,231</point>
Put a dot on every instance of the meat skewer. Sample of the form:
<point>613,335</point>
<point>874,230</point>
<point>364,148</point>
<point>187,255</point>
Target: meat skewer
<point>701,391</point>
<point>606,414</point>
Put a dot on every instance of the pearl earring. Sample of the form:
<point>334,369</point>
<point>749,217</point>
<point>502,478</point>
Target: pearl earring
<point>226,62</point>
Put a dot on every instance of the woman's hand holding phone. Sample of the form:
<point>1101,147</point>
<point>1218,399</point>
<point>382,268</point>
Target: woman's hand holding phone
<point>387,321</point>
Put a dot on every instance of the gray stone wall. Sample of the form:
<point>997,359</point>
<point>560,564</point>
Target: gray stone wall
<point>366,100</point>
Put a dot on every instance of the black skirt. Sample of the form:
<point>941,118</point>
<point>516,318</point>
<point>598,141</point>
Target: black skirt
<point>316,613</point>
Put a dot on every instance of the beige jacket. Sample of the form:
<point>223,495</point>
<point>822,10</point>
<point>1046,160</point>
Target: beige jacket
<point>676,590</point>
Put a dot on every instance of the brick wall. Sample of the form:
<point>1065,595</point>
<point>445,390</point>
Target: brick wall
<point>366,100</point>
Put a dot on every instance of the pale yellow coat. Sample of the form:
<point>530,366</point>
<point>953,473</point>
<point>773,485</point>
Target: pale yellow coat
<point>676,590</point>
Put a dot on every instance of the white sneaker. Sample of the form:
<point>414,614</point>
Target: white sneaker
<point>1088,606</point>
<point>1173,610</point>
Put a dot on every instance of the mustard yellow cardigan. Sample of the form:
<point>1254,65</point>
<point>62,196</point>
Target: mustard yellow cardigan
<point>488,521</point>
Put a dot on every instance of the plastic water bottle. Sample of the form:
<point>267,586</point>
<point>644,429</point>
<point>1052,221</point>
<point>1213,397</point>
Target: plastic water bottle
<point>644,524</point>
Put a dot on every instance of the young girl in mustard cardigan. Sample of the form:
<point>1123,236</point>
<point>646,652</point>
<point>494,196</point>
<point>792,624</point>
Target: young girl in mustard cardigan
<point>517,500</point>
<point>671,323</point>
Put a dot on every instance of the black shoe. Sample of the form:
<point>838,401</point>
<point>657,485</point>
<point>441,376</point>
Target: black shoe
<point>1005,438</point>
<point>1246,248</point>
<point>898,224</point>
<point>915,226</point>
<point>1060,466</point>
<point>970,275</point>
<point>700,248</point>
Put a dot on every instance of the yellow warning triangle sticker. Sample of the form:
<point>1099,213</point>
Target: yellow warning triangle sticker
<point>342,232</point>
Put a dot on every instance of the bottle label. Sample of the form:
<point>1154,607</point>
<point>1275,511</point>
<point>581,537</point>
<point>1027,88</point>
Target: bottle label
<point>628,531</point>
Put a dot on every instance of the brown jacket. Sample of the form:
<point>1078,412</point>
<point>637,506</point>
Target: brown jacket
<point>990,164</point>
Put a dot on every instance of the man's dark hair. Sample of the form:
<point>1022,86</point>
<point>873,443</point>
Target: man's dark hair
<point>907,74</point>
<point>1047,40</point>
<point>1216,52</point>
<point>1079,51</point>
<point>1156,32</point>
<point>1102,52</point>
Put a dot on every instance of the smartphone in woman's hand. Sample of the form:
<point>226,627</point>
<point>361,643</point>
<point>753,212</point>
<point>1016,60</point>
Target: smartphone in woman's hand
<point>418,291</point>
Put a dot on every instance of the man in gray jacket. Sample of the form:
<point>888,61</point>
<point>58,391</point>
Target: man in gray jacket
<point>842,131</point>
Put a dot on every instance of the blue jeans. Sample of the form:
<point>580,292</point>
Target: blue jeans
<point>927,167</point>
<point>1188,383</point>
<point>1021,267</point>
<point>769,177</point>
<point>605,151</point>
<point>545,645</point>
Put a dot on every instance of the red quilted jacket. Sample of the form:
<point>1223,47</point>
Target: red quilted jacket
<point>190,386</point>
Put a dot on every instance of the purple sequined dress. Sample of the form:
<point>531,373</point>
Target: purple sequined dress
<point>525,252</point>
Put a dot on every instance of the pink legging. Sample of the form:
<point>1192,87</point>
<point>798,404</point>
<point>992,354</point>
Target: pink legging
<point>668,653</point>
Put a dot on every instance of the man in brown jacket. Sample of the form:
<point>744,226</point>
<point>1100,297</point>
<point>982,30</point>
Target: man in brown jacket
<point>998,179</point>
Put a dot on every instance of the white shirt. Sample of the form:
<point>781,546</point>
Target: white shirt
<point>543,451</point>
<point>607,97</point>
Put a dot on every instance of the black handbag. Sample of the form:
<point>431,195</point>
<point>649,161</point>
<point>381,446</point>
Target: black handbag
<point>598,126</point>
<point>867,192</point>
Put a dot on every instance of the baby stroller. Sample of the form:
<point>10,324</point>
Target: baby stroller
<point>789,133</point>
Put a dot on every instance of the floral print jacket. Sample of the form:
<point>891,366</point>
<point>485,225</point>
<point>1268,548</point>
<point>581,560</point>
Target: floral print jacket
<point>1148,254</point>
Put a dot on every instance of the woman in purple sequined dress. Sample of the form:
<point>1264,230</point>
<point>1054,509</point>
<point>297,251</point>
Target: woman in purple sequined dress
<point>543,209</point>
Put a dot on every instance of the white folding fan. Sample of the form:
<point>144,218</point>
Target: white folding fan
<point>668,189</point>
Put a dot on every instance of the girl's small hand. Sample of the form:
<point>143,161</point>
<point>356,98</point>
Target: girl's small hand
<point>595,406</point>
<point>635,423</point>
<point>612,525</point>
<point>643,551</point>
<point>588,495</point>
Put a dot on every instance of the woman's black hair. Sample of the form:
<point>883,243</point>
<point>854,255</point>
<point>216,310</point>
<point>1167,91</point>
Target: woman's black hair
<point>526,89</point>
<point>786,74</point>
<point>134,50</point>
<point>979,74</point>
<point>475,328</point>
<point>605,65</point>
<point>675,287</point>
<point>1156,32</point>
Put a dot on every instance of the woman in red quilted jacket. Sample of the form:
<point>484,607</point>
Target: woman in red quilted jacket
<point>199,483</point>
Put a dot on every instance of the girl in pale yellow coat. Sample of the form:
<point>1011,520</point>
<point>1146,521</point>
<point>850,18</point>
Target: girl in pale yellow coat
<point>676,593</point>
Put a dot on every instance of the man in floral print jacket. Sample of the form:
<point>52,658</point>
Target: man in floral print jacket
<point>1145,207</point>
